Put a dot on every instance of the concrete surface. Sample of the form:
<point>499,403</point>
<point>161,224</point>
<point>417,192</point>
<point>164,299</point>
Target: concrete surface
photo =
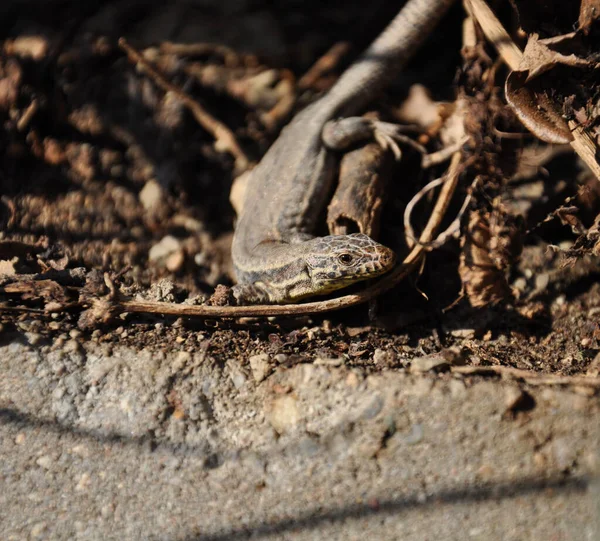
<point>102,442</point>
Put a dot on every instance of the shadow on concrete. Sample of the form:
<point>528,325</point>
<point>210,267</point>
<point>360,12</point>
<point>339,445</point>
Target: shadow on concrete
<point>496,491</point>
<point>490,491</point>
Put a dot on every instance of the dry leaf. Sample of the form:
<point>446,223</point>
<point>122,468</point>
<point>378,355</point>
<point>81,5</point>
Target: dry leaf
<point>490,246</point>
<point>550,80</point>
<point>541,55</point>
<point>588,13</point>
<point>588,243</point>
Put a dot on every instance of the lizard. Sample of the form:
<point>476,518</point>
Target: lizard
<point>276,257</point>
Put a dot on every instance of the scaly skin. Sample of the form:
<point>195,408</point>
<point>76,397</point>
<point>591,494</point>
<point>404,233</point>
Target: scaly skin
<point>274,248</point>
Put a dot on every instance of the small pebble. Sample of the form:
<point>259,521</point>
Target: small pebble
<point>463,333</point>
<point>352,380</point>
<point>384,357</point>
<point>35,47</point>
<point>38,529</point>
<point>561,300</point>
<point>373,408</point>
<point>520,284</point>
<point>175,261</point>
<point>280,358</point>
<point>151,195</point>
<point>44,462</point>
<point>415,435</point>
<point>34,338</point>
<point>72,346</point>
<point>541,281</point>
<point>84,482</point>
<point>260,366</point>
<point>236,374</point>
<point>427,363</point>
<point>517,400</point>
<point>166,247</point>
<point>284,413</point>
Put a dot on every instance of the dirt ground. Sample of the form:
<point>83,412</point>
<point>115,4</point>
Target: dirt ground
<point>461,405</point>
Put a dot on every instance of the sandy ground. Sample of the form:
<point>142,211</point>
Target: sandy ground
<point>113,443</point>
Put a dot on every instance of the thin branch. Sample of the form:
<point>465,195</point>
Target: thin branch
<point>409,232</point>
<point>495,33</point>
<point>28,115</point>
<point>223,135</point>
<point>21,309</point>
<point>585,147</point>
<point>533,378</point>
<point>443,201</point>
<point>324,64</point>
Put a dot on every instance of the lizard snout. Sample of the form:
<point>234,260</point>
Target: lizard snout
<point>387,257</point>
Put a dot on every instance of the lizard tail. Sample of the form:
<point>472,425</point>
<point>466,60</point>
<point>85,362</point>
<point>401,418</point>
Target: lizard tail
<point>387,55</point>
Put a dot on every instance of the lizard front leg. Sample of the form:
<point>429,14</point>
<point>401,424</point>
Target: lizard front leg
<point>255,293</point>
<point>343,133</point>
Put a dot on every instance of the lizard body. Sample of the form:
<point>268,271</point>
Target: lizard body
<point>275,255</point>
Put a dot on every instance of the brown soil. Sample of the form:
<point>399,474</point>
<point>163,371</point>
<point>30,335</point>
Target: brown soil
<point>98,167</point>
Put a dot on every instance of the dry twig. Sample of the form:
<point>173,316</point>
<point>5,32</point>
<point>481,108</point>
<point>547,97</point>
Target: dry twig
<point>323,65</point>
<point>532,378</point>
<point>358,198</point>
<point>224,137</point>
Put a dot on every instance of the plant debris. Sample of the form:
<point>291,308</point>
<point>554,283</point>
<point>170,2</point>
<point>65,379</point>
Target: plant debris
<point>116,178</point>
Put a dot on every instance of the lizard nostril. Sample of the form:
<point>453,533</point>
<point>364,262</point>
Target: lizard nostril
<point>387,257</point>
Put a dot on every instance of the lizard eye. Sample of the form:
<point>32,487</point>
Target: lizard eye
<point>345,259</point>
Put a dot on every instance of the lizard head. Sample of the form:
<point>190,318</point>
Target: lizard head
<point>337,261</point>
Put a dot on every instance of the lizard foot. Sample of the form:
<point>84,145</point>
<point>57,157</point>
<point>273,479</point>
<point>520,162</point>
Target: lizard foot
<point>250,294</point>
<point>345,132</point>
<point>388,136</point>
